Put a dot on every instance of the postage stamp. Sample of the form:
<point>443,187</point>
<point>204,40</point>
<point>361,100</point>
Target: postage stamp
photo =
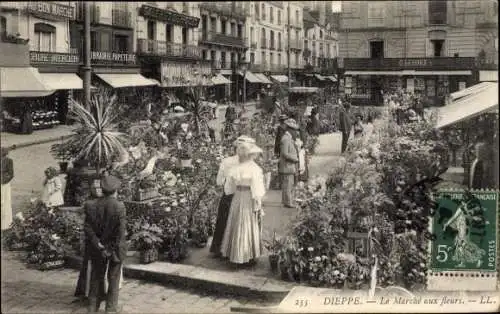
<point>465,229</point>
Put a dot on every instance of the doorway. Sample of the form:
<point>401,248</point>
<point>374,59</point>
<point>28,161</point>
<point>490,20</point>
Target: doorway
<point>377,49</point>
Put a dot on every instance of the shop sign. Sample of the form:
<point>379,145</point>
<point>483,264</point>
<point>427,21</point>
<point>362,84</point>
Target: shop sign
<point>415,63</point>
<point>397,64</point>
<point>106,56</point>
<point>53,58</point>
<point>53,9</point>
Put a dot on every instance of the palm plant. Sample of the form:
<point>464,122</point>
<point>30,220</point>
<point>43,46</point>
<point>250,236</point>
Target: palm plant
<point>96,138</point>
<point>191,99</point>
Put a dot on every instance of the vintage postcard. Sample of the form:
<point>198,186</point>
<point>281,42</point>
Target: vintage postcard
<point>249,156</point>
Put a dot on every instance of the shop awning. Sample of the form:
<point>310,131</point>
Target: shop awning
<point>373,73</point>
<point>263,78</point>
<point>470,90</point>
<point>220,80</point>
<point>488,76</point>
<point>280,78</point>
<point>22,82</point>
<point>125,80</point>
<point>61,81</point>
<point>319,77</point>
<point>332,78</point>
<point>416,73</point>
<point>482,101</point>
<point>250,77</point>
<point>155,82</point>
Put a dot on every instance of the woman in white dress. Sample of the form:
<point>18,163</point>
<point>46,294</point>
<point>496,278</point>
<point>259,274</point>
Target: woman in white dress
<point>242,238</point>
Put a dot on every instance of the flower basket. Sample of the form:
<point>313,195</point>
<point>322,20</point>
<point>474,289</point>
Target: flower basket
<point>148,256</point>
<point>273,262</point>
<point>52,265</point>
<point>146,194</point>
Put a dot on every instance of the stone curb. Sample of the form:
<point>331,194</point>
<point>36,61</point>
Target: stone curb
<point>38,142</point>
<point>201,279</point>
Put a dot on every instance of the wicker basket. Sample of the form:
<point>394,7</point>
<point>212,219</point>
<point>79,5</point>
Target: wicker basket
<point>146,194</point>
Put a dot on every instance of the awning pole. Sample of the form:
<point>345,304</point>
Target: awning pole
<point>87,68</point>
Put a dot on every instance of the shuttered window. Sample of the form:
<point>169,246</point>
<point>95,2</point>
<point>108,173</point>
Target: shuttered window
<point>45,38</point>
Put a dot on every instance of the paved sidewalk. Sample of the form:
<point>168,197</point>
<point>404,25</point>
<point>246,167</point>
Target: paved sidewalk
<point>14,140</point>
<point>27,290</point>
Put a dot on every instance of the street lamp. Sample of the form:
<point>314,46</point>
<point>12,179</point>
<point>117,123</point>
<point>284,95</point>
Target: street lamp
<point>244,68</point>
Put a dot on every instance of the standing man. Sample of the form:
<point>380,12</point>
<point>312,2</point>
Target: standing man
<point>289,159</point>
<point>279,133</point>
<point>225,201</point>
<point>7,176</point>
<point>105,229</point>
<point>478,172</point>
<point>345,124</point>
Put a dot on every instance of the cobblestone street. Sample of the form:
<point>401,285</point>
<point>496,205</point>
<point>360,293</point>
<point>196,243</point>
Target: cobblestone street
<point>27,290</point>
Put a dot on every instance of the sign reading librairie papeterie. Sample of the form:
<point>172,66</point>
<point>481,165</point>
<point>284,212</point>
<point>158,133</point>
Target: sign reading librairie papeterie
<point>51,8</point>
<point>41,57</point>
<point>113,57</point>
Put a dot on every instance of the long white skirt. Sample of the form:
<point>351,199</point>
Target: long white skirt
<point>241,241</point>
<point>6,206</point>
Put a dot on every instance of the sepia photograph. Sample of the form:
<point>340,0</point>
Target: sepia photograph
<point>249,156</point>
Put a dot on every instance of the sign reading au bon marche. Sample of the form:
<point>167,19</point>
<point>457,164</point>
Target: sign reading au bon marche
<point>465,225</point>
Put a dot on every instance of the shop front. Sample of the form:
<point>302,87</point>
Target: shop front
<point>433,78</point>
<point>23,92</point>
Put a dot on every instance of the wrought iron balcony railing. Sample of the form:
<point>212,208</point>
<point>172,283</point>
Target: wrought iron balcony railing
<point>224,65</point>
<point>253,44</point>
<point>122,18</point>
<point>167,49</point>
<point>263,43</point>
<point>223,39</point>
<point>225,9</point>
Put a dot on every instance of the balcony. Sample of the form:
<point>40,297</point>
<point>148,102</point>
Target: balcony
<point>272,46</point>
<point>253,44</point>
<point>296,44</point>
<point>224,65</point>
<point>168,16</point>
<point>280,47</point>
<point>95,13</point>
<point>228,9</point>
<point>223,40</point>
<point>397,64</point>
<point>166,49</point>
<point>122,18</point>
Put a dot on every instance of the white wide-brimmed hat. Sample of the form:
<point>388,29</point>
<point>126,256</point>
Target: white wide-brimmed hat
<point>179,109</point>
<point>244,139</point>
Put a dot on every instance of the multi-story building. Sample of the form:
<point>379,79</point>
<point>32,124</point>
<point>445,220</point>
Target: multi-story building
<point>36,34</point>
<point>430,47</point>
<point>167,44</point>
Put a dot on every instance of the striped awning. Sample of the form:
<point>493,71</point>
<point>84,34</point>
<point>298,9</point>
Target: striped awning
<point>280,78</point>
<point>125,80</point>
<point>219,79</point>
<point>263,78</point>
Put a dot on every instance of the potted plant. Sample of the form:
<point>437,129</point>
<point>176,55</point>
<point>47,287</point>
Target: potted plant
<point>63,154</point>
<point>273,246</point>
<point>147,240</point>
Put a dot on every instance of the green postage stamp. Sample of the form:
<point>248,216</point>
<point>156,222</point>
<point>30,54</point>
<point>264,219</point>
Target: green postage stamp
<point>465,227</point>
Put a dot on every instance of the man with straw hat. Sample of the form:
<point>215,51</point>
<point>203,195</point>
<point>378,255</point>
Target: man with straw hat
<point>225,202</point>
<point>289,159</point>
<point>105,230</point>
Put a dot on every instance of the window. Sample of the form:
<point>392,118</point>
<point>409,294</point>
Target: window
<point>223,59</point>
<point>263,12</point>
<point>272,39</point>
<point>223,24</point>
<point>185,36</point>
<point>3,26</point>
<point>376,49</point>
<point>240,31</point>
<point>297,16</point>
<point>438,46</point>
<point>271,14</point>
<point>306,44</point>
<point>279,41</point>
<point>233,29</point>
<point>121,44</point>
<point>271,58</point>
<point>169,33</point>
<point>288,14</point>
<point>279,59</point>
<point>257,13</point>
<point>262,57</point>
<point>204,54</point>
<point>213,55</point>
<point>94,45</point>
<point>233,59</point>
<point>252,58</point>
<point>252,35</point>
<point>297,59</point>
<point>320,34</point>
<point>151,30</point>
<point>437,12</point>
<point>213,24</point>
<point>45,37</point>
<point>279,17</point>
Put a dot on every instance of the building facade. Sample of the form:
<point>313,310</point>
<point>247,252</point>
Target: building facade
<point>428,47</point>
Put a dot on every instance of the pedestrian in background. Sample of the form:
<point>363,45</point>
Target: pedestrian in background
<point>7,176</point>
<point>345,124</point>
<point>52,193</point>
<point>105,230</point>
<point>279,133</point>
<point>289,159</point>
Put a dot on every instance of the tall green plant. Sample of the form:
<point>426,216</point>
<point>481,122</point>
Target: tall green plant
<point>96,138</point>
<point>191,98</point>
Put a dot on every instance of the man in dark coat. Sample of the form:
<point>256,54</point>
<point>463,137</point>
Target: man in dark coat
<point>106,246</point>
<point>279,133</point>
<point>345,124</point>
